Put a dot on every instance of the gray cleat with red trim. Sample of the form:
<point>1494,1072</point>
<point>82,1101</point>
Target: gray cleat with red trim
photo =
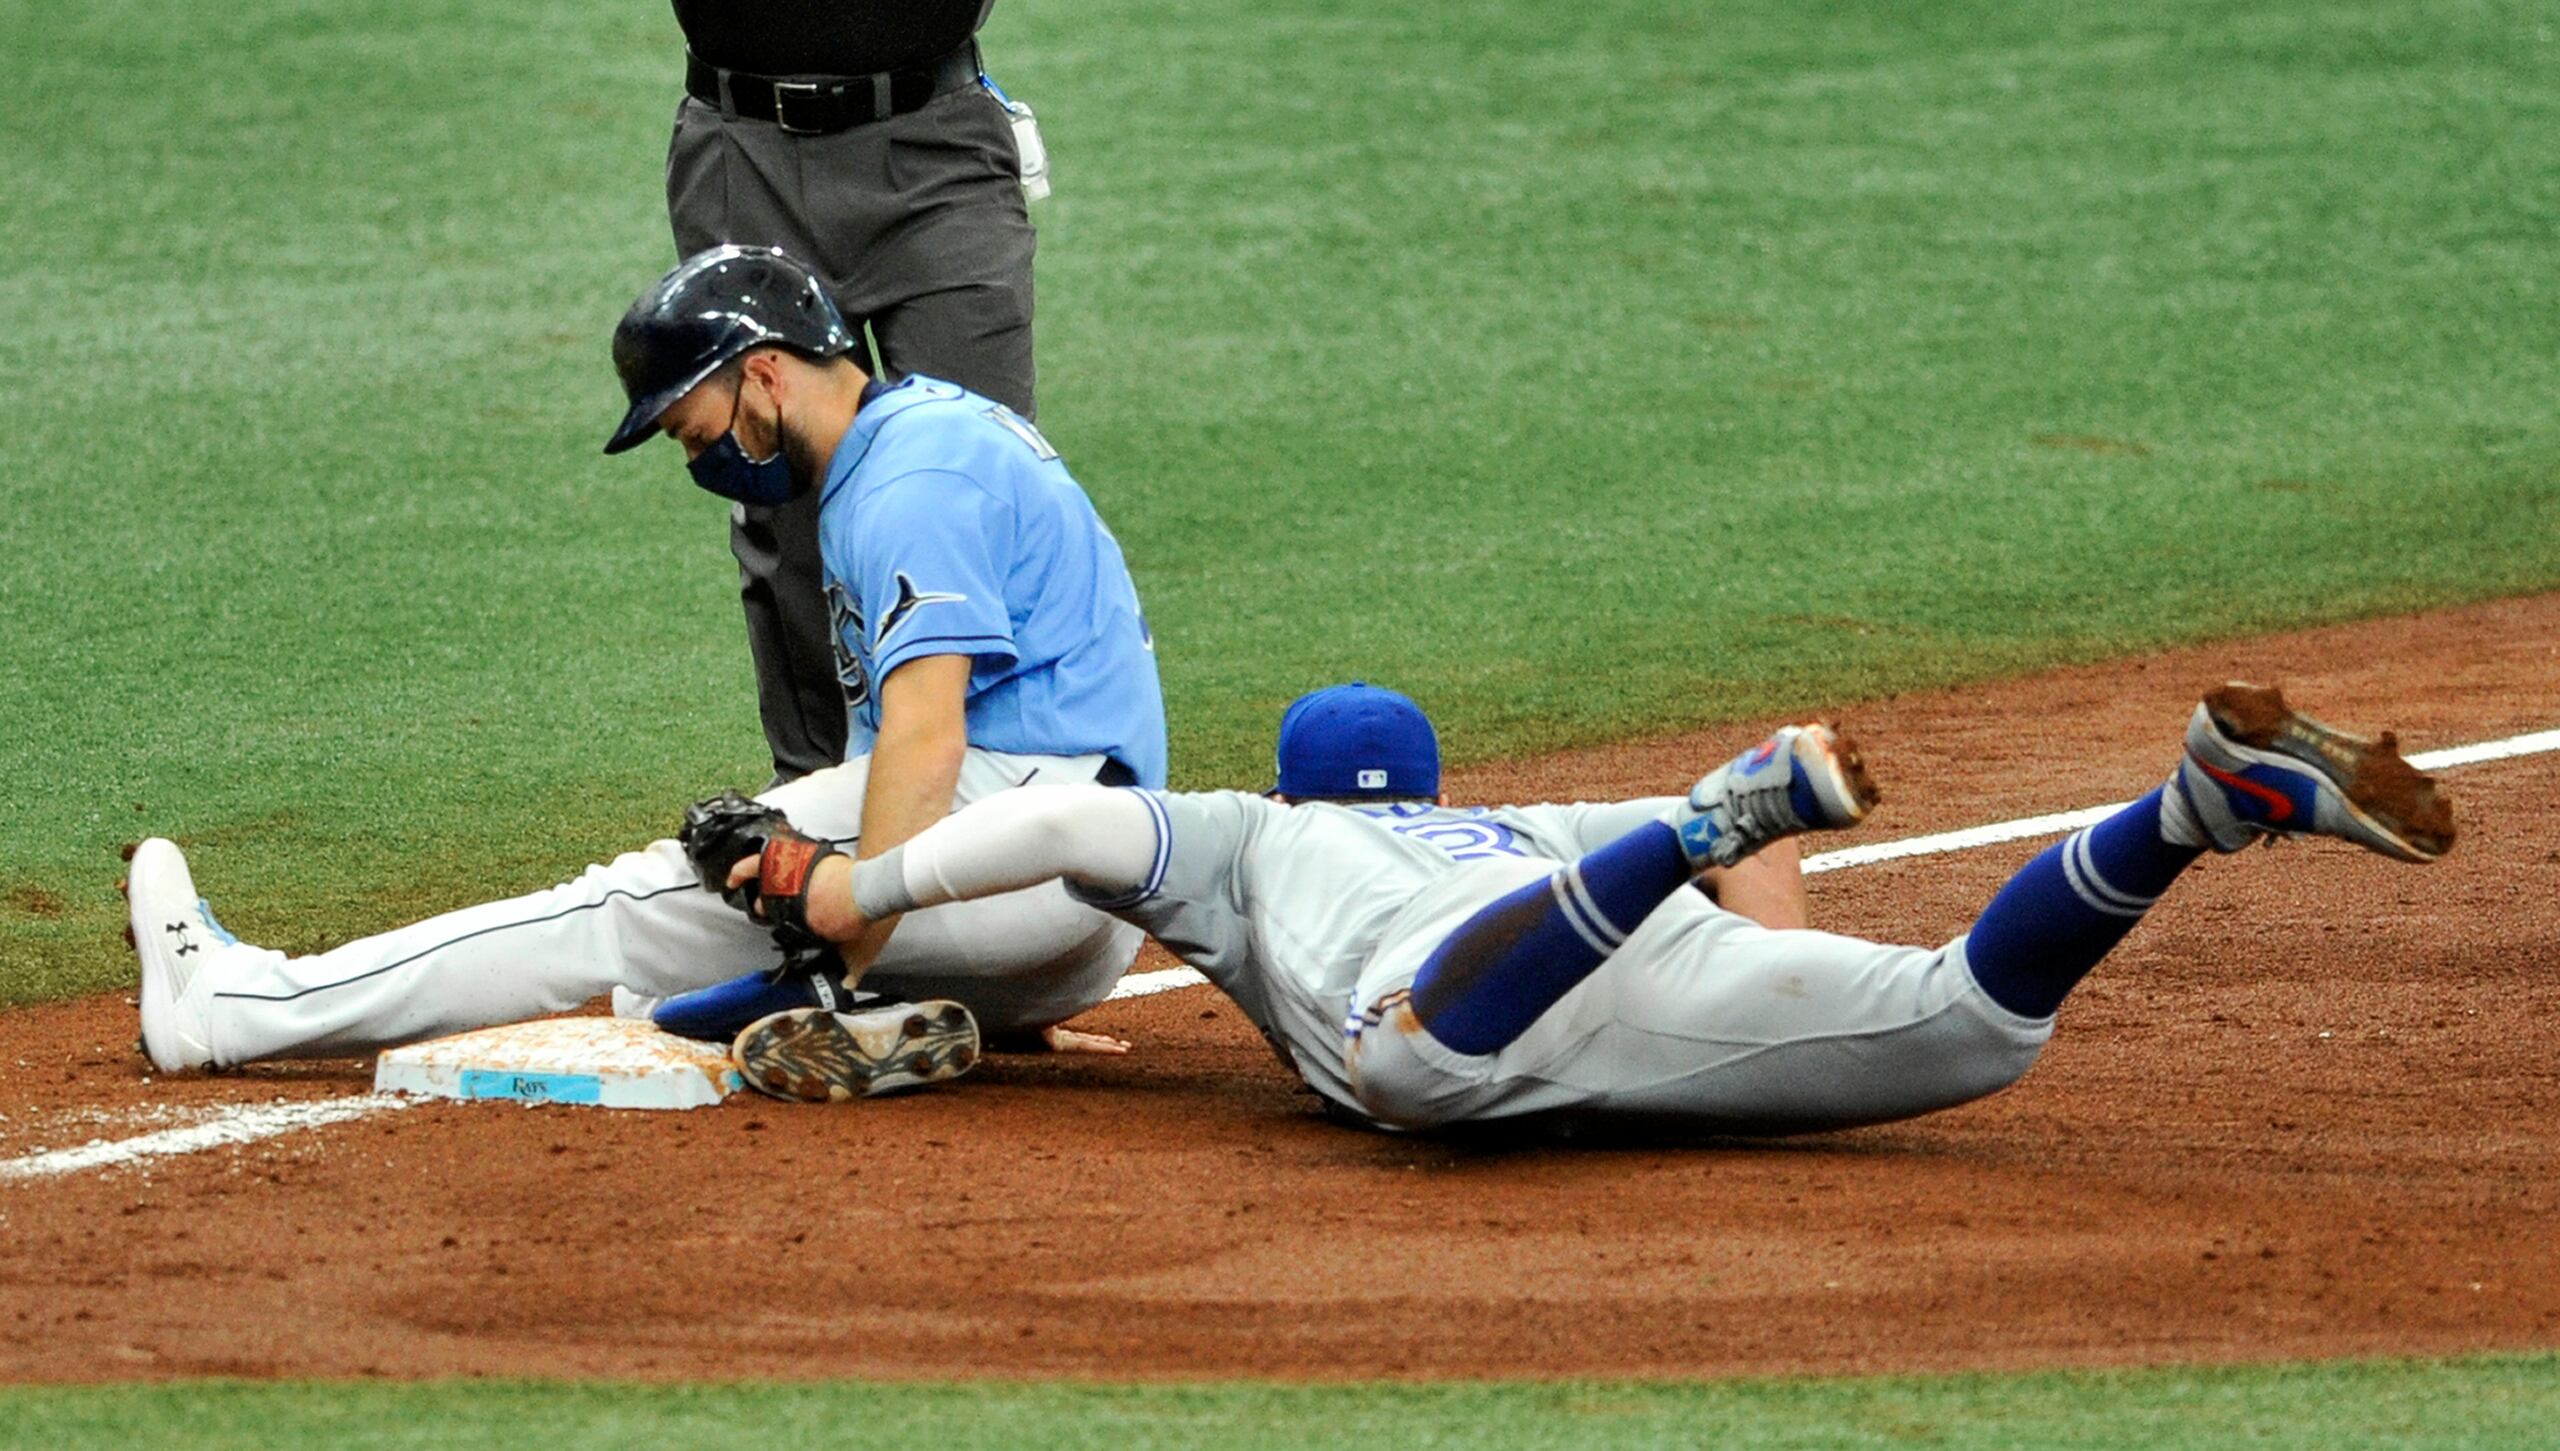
<point>2256,768</point>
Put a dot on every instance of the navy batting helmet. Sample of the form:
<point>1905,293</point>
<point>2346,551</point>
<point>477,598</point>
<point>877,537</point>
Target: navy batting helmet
<point>713,307</point>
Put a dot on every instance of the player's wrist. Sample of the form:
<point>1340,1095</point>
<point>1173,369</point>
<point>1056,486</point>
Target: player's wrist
<point>830,910</point>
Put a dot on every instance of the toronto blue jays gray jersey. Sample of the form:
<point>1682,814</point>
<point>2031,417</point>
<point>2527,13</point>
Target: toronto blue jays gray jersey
<point>1284,907</point>
<point>1315,919</point>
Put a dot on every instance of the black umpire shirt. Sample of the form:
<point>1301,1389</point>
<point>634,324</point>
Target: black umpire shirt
<point>819,38</point>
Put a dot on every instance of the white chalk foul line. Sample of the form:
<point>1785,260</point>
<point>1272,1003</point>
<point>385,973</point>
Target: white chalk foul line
<point>1148,984</point>
<point>2526,745</point>
<point>2060,822</point>
<point>244,1125</point>
<point>263,1121</point>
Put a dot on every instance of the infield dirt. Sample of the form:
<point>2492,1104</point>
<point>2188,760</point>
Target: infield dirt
<point>2311,1108</point>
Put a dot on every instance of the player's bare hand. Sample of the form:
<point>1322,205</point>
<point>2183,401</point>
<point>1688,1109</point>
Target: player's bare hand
<point>1069,1040</point>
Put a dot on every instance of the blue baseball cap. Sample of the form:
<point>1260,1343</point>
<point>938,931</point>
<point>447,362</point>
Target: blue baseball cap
<point>1357,740</point>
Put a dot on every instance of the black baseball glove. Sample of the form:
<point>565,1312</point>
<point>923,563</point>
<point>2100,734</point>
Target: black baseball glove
<point>727,829</point>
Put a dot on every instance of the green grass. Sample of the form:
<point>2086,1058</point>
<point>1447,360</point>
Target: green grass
<point>1583,370</point>
<point>2484,1403</point>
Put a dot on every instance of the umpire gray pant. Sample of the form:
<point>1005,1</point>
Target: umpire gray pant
<point>918,226</point>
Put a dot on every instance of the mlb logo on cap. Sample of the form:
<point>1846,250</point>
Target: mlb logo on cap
<point>1349,741</point>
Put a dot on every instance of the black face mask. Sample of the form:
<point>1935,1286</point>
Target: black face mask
<point>725,469</point>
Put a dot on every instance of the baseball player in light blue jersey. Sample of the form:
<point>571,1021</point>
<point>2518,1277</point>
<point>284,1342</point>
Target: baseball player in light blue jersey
<point>950,528</point>
<point>987,635</point>
<point>1421,966</point>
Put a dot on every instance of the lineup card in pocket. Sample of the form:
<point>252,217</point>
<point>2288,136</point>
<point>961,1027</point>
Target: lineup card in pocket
<point>1034,153</point>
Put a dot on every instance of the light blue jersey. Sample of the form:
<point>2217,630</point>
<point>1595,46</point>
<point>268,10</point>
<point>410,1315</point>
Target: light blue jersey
<point>949,527</point>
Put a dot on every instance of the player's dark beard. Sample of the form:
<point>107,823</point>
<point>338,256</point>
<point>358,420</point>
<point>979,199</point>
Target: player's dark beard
<point>807,469</point>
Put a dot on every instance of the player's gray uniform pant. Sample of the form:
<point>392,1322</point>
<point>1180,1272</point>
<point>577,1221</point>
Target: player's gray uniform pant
<point>1708,1020</point>
<point>641,921</point>
<point>1702,1017</point>
<point>918,226</point>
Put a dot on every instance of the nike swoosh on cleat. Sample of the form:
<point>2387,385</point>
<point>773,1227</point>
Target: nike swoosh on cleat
<point>2279,805</point>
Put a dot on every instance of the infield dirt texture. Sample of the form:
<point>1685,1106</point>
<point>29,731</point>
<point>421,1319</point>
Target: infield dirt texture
<point>2312,1108</point>
<point>1616,378</point>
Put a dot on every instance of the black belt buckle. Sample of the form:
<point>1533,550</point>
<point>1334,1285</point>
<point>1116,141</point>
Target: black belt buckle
<point>808,91</point>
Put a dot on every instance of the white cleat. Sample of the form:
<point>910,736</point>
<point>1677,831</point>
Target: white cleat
<point>1802,778</point>
<point>175,936</point>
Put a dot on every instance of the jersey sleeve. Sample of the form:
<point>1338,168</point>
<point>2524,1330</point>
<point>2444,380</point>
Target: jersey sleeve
<point>934,551</point>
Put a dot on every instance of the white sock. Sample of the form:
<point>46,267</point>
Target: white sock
<point>2178,823</point>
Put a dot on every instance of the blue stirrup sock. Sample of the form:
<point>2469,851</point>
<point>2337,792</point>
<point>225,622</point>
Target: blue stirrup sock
<point>2068,908</point>
<point>1492,977</point>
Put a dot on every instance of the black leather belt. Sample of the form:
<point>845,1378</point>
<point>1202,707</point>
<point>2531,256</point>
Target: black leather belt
<point>816,105</point>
